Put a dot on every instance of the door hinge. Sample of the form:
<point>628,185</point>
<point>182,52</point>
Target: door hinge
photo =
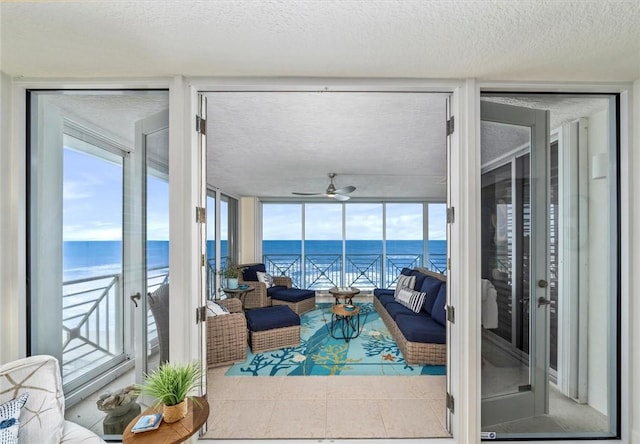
<point>450,403</point>
<point>451,215</point>
<point>448,263</point>
<point>201,314</point>
<point>201,125</point>
<point>450,125</point>
<point>201,215</point>
<point>202,260</point>
<point>451,314</point>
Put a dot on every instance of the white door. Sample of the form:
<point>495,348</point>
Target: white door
<point>147,234</point>
<point>514,227</point>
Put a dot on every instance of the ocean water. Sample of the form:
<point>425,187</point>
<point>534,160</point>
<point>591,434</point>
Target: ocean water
<point>83,259</point>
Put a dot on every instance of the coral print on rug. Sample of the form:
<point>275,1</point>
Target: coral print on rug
<point>374,352</point>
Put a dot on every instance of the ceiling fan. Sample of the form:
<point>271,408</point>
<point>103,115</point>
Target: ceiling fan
<point>338,194</point>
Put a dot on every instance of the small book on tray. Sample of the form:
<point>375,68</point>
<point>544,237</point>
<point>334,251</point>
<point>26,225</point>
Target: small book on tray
<point>147,423</point>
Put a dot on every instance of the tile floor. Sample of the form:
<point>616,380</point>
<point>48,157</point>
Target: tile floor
<point>318,407</point>
<point>346,406</point>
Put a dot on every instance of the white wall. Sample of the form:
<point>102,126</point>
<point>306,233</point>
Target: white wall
<point>9,314</point>
<point>634,266</point>
<point>248,220</point>
<point>600,292</point>
<point>5,110</point>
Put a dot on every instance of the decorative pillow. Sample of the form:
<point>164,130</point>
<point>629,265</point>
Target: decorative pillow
<point>404,281</point>
<point>265,278</point>
<point>214,309</point>
<point>411,299</point>
<point>249,272</point>
<point>10,419</point>
<point>439,311</point>
<point>431,286</point>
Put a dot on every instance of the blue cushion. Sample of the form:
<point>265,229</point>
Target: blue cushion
<point>386,299</point>
<point>406,271</point>
<point>273,290</point>
<point>250,272</point>
<point>431,286</point>
<point>293,294</point>
<point>439,313</point>
<point>377,292</point>
<point>418,328</point>
<point>395,309</point>
<point>419,279</point>
<point>268,318</point>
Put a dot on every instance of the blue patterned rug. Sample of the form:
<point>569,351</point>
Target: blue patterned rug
<point>373,353</point>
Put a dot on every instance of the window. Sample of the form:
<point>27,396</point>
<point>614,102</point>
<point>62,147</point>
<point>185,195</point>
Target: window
<point>360,244</point>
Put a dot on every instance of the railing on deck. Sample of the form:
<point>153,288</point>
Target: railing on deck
<point>323,271</point>
<point>92,321</point>
<point>211,277</point>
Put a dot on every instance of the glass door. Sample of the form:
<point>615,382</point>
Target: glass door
<point>152,322</point>
<point>514,233</point>
<point>97,239</point>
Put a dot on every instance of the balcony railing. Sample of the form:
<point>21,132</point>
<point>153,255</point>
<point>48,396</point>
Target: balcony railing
<point>92,321</point>
<point>323,271</point>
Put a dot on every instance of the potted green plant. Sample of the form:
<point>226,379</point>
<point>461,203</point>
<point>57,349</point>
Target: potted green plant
<point>231,273</point>
<point>170,385</point>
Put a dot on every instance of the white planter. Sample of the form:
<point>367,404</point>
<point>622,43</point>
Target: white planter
<point>232,283</point>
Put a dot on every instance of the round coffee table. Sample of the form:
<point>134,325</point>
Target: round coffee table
<point>346,293</point>
<point>173,433</point>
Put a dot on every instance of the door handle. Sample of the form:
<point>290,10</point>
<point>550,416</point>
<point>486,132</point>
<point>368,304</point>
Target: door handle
<point>542,283</point>
<point>133,298</point>
<point>543,301</point>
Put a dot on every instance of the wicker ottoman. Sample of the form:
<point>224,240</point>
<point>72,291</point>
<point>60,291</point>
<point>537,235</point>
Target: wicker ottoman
<point>299,300</point>
<point>271,328</point>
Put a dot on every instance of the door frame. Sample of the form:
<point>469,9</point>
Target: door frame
<point>465,345</point>
<point>535,401</point>
<point>459,423</point>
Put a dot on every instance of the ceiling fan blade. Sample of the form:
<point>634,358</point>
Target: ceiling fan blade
<point>341,197</point>
<point>308,194</point>
<point>345,190</point>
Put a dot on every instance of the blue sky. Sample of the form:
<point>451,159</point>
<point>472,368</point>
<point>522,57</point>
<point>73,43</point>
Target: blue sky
<point>93,211</point>
<point>92,208</point>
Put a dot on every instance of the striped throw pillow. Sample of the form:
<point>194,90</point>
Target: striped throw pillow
<point>411,299</point>
<point>404,281</point>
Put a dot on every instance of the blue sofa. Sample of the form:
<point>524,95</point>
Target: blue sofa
<point>422,336</point>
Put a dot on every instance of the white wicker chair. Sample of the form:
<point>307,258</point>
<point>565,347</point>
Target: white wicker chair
<point>42,417</point>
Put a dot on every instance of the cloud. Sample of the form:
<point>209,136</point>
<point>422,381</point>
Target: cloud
<point>93,232</point>
<point>74,190</point>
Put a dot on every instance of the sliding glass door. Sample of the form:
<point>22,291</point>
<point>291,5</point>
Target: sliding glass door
<point>98,235</point>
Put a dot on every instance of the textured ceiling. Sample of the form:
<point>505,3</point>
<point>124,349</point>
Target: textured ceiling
<point>384,144</point>
<point>268,144</point>
<point>113,113</point>
<point>498,139</point>
<point>590,40</point>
